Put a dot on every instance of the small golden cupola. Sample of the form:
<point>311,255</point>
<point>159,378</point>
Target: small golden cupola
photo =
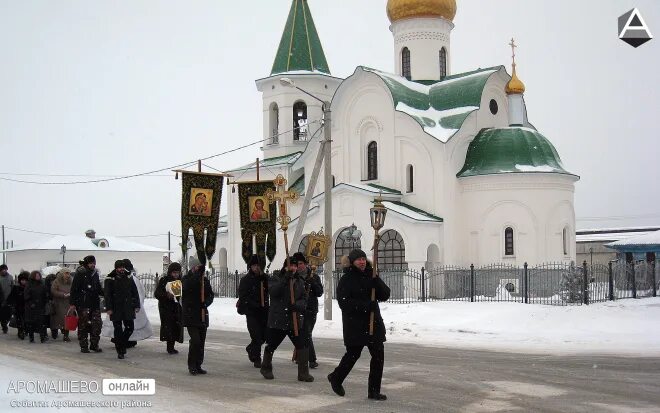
<point>515,85</point>
<point>405,9</point>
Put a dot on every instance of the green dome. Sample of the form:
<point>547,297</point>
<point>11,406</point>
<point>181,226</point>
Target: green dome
<point>510,150</point>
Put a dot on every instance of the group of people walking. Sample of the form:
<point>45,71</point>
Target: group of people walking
<point>278,306</point>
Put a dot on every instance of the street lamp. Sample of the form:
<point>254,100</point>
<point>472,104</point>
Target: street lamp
<point>327,178</point>
<point>63,252</point>
<point>377,214</point>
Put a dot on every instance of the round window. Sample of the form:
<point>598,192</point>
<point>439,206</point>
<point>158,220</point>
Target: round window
<point>493,106</point>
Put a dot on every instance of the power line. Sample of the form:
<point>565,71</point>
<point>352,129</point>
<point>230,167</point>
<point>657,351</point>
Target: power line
<point>62,175</point>
<point>63,235</point>
<point>32,232</point>
<point>182,165</point>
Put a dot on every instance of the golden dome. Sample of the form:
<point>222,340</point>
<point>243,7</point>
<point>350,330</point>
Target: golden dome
<point>404,9</point>
<point>515,85</point>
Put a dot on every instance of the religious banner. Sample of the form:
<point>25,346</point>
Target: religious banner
<point>317,248</point>
<point>200,209</point>
<point>257,221</point>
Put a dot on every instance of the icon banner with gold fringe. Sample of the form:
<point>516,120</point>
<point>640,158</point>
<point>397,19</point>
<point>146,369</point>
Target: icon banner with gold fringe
<point>258,219</point>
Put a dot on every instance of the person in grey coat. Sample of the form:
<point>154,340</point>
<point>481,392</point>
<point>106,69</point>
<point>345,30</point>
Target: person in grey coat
<point>6,282</point>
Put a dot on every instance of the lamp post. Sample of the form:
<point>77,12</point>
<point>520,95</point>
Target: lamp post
<point>63,252</point>
<point>327,178</point>
<point>377,214</point>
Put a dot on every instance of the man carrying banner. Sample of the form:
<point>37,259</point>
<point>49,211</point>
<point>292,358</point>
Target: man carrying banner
<point>196,297</point>
<point>253,302</point>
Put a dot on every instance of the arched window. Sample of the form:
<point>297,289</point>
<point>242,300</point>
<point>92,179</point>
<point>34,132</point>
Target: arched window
<point>344,245</point>
<point>405,63</point>
<point>409,178</point>
<point>372,161</point>
<point>333,181</point>
<point>564,238</point>
<point>508,241</point>
<point>299,121</point>
<point>302,247</point>
<point>274,122</point>
<point>391,251</point>
<point>443,63</point>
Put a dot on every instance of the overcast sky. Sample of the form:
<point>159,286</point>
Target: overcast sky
<point>96,87</point>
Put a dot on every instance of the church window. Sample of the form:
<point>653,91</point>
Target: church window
<point>333,181</point>
<point>372,161</point>
<point>274,118</point>
<point>508,241</point>
<point>493,106</point>
<point>302,247</point>
<point>409,178</point>
<point>391,251</point>
<point>443,63</point>
<point>405,63</point>
<point>299,121</point>
<point>564,238</point>
<point>344,244</point>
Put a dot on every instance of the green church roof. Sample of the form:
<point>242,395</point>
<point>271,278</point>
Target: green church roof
<point>440,107</point>
<point>510,150</point>
<point>300,47</point>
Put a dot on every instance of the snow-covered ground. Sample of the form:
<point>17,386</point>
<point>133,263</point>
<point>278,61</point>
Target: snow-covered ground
<point>625,327</point>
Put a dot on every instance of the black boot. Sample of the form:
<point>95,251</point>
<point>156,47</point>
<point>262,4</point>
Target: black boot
<point>257,362</point>
<point>31,336</point>
<point>43,338</point>
<point>336,385</point>
<point>21,334</point>
<point>95,348</point>
<point>170,348</point>
<point>267,366</point>
<point>303,366</point>
<point>377,396</point>
<point>66,338</point>
<point>54,333</point>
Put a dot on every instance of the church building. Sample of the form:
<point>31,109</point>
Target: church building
<point>467,179</point>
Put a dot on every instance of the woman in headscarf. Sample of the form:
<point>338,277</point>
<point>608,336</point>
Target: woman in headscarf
<point>169,308</point>
<point>60,291</point>
<point>35,306</point>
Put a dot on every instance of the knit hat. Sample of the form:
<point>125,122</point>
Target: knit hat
<point>23,275</point>
<point>175,266</point>
<point>119,264</point>
<point>89,259</point>
<point>299,256</point>
<point>355,254</point>
<point>193,262</point>
<point>128,264</point>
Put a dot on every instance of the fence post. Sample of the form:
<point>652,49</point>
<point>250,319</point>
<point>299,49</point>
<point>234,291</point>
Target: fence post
<point>424,286</point>
<point>236,281</point>
<point>610,280</point>
<point>634,282</point>
<point>471,283</point>
<point>655,287</point>
<point>526,283</point>
<point>585,280</point>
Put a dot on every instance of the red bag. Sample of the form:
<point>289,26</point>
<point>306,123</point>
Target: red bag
<point>71,321</point>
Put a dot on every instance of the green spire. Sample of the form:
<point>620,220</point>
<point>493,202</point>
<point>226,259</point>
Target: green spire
<point>300,47</point>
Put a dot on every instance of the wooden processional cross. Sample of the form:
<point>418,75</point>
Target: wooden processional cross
<point>282,196</point>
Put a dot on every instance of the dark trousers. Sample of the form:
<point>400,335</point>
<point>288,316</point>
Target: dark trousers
<point>5,315</point>
<point>89,327</point>
<point>35,326</point>
<point>274,338</point>
<point>123,331</point>
<point>308,326</point>
<point>196,347</point>
<point>256,325</point>
<point>352,355</point>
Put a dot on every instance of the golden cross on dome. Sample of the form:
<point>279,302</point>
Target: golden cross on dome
<point>281,196</point>
<point>513,50</point>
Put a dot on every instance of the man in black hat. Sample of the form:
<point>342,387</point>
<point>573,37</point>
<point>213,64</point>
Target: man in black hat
<point>195,313</point>
<point>84,298</point>
<point>354,297</point>
<point>313,289</point>
<point>122,302</point>
<point>253,302</point>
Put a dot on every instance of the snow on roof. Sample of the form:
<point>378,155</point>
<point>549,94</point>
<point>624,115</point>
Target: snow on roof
<point>429,119</point>
<point>651,238</point>
<point>83,243</point>
<point>373,189</point>
<point>410,212</point>
<point>611,234</point>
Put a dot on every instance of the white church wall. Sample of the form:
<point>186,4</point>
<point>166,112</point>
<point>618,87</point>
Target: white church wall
<point>534,205</point>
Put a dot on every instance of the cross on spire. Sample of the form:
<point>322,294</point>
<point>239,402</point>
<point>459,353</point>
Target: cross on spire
<point>513,50</point>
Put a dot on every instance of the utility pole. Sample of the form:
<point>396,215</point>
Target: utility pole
<point>169,247</point>
<point>3,244</point>
<point>329,265</point>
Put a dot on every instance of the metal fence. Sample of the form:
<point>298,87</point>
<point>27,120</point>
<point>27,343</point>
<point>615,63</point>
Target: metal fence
<point>550,284</point>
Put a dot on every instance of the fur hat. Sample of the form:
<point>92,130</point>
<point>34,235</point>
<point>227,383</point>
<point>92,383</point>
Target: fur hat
<point>299,256</point>
<point>254,260</point>
<point>128,264</point>
<point>355,254</point>
<point>193,262</point>
<point>175,266</point>
<point>120,264</point>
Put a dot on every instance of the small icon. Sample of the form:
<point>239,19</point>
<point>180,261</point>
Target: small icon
<point>632,28</point>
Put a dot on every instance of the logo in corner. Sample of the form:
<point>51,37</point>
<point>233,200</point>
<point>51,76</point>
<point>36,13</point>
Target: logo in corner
<point>633,30</point>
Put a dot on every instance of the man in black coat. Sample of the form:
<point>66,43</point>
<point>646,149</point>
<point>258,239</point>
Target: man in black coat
<point>6,283</point>
<point>16,301</point>
<point>85,292</point>
<point>280,319</point>
<point>35,304</point>
<point>354,297</point>
<point>169,309</point>
<point>121,303</point>
<point>195,313</point>
<point>314,290</point>
<point>253,302</point>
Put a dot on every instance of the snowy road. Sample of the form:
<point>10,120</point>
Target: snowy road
<point>416,379</point>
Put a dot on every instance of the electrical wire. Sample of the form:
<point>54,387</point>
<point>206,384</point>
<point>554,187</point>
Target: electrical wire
<point>181,165</point>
